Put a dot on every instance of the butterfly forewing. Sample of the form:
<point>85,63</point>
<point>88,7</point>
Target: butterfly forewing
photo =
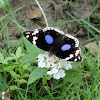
<point>37,37</point>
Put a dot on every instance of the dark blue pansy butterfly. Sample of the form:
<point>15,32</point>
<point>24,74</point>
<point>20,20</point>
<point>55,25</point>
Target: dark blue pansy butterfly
<point>55,41</point>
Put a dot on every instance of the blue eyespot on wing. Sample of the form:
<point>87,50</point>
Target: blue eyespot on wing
<point>49,39</point>
<point>65,47</point>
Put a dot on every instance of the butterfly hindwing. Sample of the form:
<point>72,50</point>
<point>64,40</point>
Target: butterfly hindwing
<point>55,41</point>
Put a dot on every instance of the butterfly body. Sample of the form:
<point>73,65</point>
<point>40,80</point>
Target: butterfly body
<point>53,40</point>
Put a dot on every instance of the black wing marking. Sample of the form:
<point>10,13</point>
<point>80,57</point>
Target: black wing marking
<point>52,39</point>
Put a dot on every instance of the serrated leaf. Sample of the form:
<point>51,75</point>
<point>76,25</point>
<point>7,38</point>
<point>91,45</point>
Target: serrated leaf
<point>73,76</point>
<point>36,74</point>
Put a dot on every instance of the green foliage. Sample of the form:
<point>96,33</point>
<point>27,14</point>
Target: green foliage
<point>4,4</point>
<point>12,66</point>
<point>28,82</point>
<point>74,76</point>
<point>36,74</point>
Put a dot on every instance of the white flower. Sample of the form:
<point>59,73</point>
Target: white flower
<point>59,65</point>
<point>62,73</point>
<point>54,65</point>
<point>41,64</point>
<point>40,57</point>
<point>59,74</point>
<point>56,76</point>
<point>68,66</point>
<point>49,73</point>
<point>48,65</point>
<point>54,70</point>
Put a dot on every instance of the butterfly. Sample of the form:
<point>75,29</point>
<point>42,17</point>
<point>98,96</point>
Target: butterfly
<point>53,40</point>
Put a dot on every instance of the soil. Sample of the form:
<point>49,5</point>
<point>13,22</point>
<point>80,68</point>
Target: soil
<point>55,11</point>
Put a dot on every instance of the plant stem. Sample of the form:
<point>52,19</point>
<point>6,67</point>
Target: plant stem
<point>42,13</point>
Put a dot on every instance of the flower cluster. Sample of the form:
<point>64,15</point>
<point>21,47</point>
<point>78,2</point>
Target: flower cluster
<point>54,64</point>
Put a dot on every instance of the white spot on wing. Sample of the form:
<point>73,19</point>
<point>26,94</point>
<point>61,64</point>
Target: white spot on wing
<point>35,32</point>
<point>27,32</point>
<point>79,57</point>
<point>77,52</point>
<point>70,56</point>
<point>34,40</point>
<point>27,36</point>
<point>75,60</point>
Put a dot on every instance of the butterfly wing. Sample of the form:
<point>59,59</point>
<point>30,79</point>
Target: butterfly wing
<point>55,41</point>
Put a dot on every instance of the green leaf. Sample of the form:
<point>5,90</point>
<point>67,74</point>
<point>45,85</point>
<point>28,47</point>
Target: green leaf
<point>34,52</point>
<point>21,71</point>
<point>13,56</point>
<point>8,59</point>
<point>73,76</point>
<point>25,66</point>
<point>21,81</point>
<point>13,87</point>
<point>32,49</point>
<point>18,52</point>
<point>14,75</point>
<point>1,58</point>
<point>25,75</point>
<point>8,68</point>
<point>36,74</point>
<point>30,58</point>
<point>22,55</point>
<point>76,64</point>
